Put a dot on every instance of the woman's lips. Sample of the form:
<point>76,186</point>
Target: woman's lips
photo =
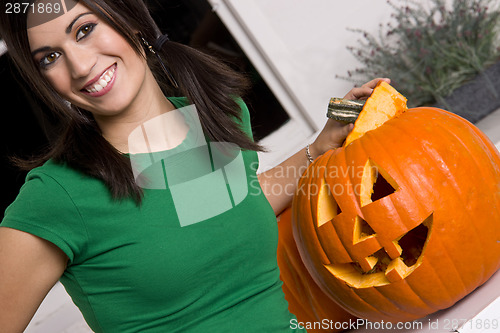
<point>103,84</point>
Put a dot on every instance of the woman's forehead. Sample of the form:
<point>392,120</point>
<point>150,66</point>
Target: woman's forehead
<point>44,11</point>
<point>50,31</point>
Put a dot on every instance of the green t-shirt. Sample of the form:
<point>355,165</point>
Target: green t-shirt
<point>137,269</point>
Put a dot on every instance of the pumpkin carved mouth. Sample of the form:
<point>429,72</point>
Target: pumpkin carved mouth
<point>380,269</point>
<point>375,260</point>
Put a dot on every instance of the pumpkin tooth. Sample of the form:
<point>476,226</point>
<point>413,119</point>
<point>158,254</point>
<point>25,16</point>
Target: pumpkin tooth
<point>368,263</point>
<point>344,110</point>
<point>397,270</point>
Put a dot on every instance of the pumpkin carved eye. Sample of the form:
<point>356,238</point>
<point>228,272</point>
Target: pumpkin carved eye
<point>327,206</point>
<point>362,230</point>
<point>375,184</point>
<point>376,260</point>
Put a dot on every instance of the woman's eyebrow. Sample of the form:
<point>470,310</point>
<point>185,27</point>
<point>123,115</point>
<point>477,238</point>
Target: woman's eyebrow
<point>42,49</point>
<point>70,26</point>
<point>68,30</point>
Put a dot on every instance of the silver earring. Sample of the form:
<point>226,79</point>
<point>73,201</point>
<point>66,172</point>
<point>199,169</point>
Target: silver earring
<point>158,44</point>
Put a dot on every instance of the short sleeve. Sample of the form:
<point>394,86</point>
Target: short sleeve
<point>44,209</point>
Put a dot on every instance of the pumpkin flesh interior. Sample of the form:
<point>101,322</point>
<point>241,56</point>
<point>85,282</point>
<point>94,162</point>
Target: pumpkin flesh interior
<point>384,104</point>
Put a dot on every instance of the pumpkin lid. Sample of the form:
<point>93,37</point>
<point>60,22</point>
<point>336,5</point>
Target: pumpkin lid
<point>385,103</point>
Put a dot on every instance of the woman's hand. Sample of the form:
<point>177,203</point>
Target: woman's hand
<point>334,133</point>
<point>280,183</point>
<point>365,90</point>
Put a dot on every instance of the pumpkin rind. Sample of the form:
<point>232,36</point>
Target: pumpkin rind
<point>305,299</point>
<point>447,174</point>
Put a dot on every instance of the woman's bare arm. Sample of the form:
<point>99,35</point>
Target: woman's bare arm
<point>29,268</point>
<point>280,183</point>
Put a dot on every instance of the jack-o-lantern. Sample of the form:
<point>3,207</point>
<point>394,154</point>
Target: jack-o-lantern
<point>305,299</point>
<point>404,220</point>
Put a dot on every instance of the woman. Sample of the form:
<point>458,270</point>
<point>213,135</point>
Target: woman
<point>120,249</point>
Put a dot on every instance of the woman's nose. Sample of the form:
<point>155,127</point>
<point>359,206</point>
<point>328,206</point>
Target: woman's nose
<point>80,62</point>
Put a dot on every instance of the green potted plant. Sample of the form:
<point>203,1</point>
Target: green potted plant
<point>437,53</point>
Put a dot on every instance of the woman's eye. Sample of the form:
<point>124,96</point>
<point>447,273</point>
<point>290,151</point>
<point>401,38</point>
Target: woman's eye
<point>84,31</point>
<point>49,59</point>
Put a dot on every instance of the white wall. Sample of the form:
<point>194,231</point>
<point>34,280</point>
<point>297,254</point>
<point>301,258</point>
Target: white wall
<point>306,42</point>
<point>314,34</point>
<point>490,126</point>
<point>299,47</point>
<point>58,314</point>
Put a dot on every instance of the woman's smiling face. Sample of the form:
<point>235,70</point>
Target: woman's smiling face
<point>89,63</point>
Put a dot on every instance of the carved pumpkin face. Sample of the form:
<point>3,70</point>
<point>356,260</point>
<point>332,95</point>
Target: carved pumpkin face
<point>373,255</point>
<point>405,220</point>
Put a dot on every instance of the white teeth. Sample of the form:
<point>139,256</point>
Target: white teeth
<point>103,82</point>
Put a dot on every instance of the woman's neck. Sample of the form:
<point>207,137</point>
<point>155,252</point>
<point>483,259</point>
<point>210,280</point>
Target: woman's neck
<point>149,104</point>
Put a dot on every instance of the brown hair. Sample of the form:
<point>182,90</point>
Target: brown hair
<point>209,84</point>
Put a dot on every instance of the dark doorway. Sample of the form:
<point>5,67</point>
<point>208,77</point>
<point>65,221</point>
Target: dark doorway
<point>193,22</point>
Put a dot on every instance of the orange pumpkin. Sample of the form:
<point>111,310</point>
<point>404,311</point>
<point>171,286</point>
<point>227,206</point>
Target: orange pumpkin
<point>404,220</point>
<point>305,299</point>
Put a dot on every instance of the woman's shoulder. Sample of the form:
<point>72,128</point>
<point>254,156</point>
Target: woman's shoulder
<point>53,189</point>
<point>54,176</point>
<point>244,117</point>
<point>179,102</point>
<point>45,207</point>
<point>55,170</point>
<point>44,187</point>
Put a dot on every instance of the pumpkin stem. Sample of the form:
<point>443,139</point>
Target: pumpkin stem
<point>344,110</point>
